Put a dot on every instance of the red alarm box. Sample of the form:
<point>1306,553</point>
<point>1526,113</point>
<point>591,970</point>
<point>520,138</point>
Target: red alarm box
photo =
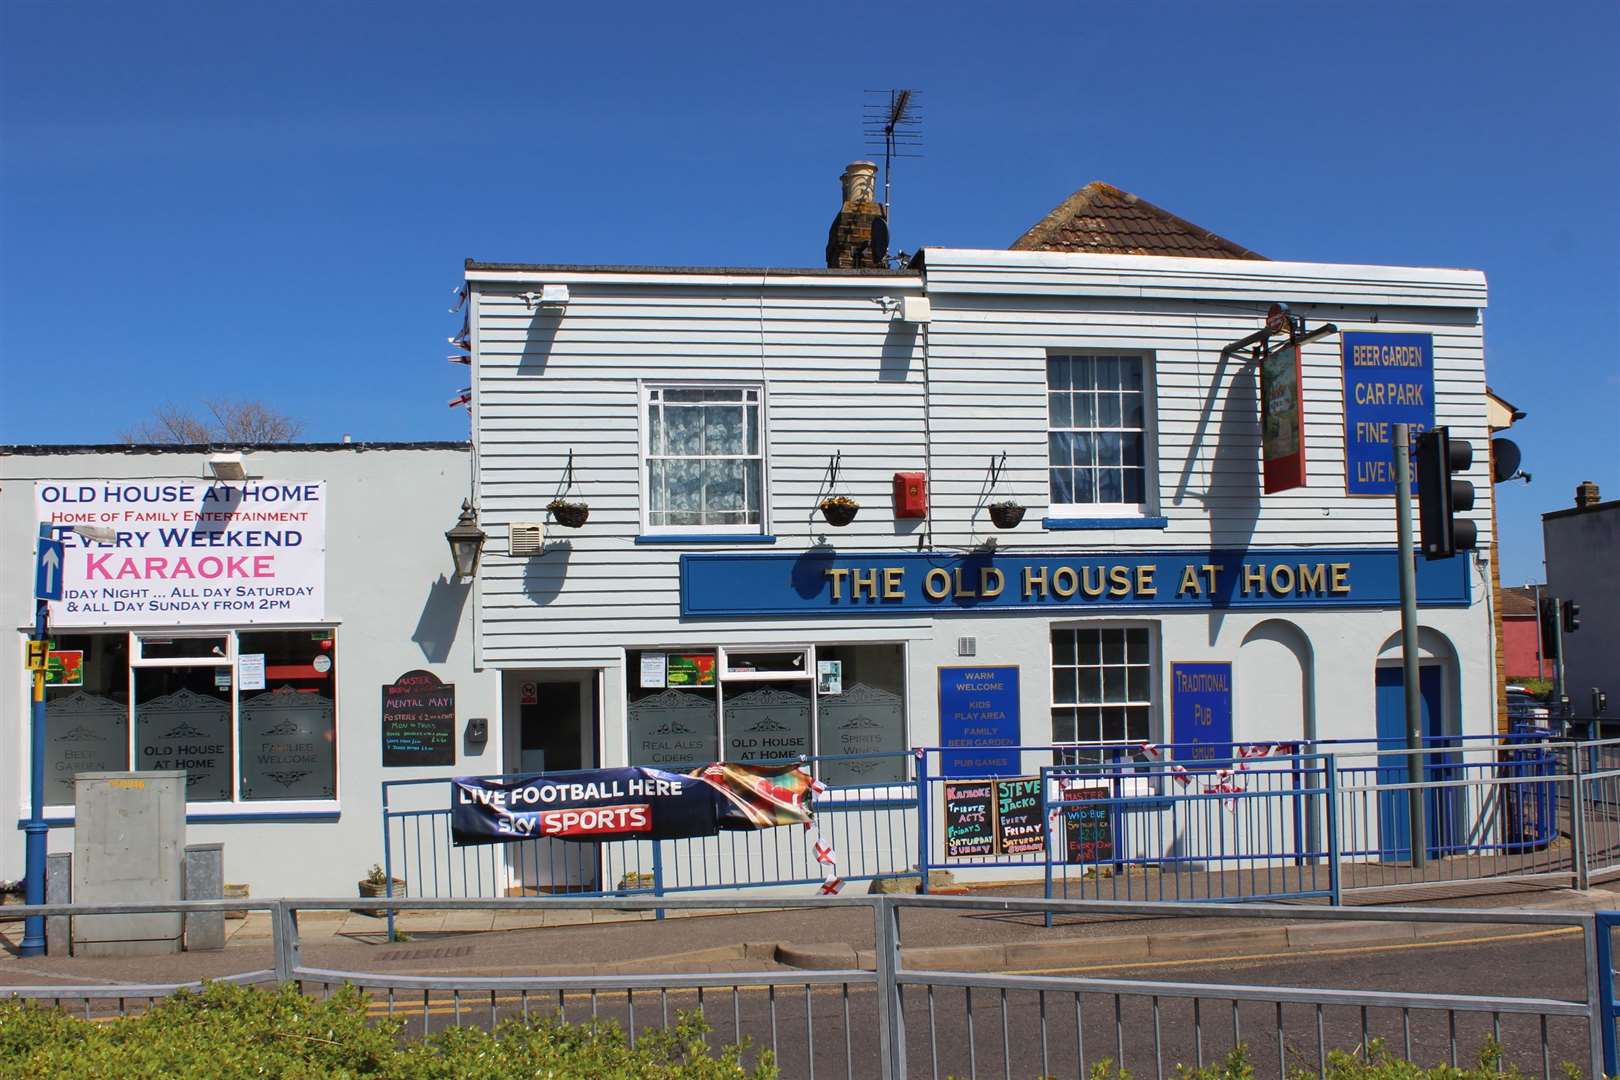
<point>910,495</point>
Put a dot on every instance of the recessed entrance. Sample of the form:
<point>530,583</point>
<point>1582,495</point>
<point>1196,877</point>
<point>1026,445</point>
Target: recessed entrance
<point>551,724</point>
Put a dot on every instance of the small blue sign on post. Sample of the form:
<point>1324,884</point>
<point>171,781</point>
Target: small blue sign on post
<point>978,711</point>
<point>48,560</point>
<point>1201,710</point>
<point>1388,380</point>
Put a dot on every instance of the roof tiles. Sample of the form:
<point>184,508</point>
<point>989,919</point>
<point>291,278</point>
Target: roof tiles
<point>1103,219</point>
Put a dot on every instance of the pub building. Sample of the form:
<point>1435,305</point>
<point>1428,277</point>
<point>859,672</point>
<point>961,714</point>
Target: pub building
<point>971,499</point>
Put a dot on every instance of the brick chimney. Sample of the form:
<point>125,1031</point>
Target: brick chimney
<point>859,236</point>
<point>1586,495</point>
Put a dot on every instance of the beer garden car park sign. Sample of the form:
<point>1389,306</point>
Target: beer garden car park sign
<point>174,553</point>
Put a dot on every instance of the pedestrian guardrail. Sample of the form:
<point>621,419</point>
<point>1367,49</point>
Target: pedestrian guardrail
<point>894,1019</point>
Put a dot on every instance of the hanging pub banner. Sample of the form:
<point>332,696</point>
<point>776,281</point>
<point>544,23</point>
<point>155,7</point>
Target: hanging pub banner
<point>630,803</point>
<point>1282,408</point>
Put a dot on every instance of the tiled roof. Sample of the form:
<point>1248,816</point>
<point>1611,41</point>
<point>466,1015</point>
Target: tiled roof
<point>1103,219</point>
<point>1518,600</point>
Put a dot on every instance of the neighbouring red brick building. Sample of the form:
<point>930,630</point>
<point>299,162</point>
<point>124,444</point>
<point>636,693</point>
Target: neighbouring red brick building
<point>1521,635</point>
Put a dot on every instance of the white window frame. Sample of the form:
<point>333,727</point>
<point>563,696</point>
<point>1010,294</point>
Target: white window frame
<point>1149,432</point>
<point>236,806</point>
<point>644,465</point>
<point>1156,689</point>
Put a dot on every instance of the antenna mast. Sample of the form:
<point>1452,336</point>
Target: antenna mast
<point>891,121</point>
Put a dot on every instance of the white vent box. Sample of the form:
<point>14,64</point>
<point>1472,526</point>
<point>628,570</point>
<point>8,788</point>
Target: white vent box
<point>525,538</point>
<point>915,309</point>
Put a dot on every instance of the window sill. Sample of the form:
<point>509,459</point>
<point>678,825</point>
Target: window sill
<point>1060,523</point>
<point>706,538</point>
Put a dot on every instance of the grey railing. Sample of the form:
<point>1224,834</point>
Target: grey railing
<point>893,1019</point>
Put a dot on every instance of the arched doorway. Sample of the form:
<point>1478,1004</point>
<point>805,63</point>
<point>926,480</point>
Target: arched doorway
<point>1441,759</point>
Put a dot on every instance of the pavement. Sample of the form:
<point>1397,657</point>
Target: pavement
<point>604,941</point>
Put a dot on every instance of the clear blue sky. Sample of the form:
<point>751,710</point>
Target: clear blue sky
<point>273,200</point>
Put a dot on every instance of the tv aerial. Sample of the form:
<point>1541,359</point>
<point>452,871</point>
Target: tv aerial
<point>891,122</point>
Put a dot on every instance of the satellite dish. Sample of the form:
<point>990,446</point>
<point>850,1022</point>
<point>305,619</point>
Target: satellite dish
<point>1505,460</point>
<point>880,242</point>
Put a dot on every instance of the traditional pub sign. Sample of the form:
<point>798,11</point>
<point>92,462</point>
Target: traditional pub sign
<point>819,581</point>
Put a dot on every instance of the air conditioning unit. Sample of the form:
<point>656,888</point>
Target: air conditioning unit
<point>524,538</point>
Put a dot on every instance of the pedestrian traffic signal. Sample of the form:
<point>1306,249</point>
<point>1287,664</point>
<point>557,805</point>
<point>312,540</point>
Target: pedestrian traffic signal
<point>1572,616</point>
<point>1442,496</point>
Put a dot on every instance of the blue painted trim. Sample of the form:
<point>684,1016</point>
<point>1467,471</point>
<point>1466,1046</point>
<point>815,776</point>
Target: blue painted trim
<point>1106,523</point>
<point>706,538</point>
<point>233,818</point>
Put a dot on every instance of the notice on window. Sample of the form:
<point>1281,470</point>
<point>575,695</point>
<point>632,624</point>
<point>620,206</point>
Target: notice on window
<point>654,670</point>
<point>64,667</point>
<point>250,671</point>
<point>687,669</point>
<point>829,676</point>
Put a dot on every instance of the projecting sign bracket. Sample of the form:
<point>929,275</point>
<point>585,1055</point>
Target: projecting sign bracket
<point>1279,321</point>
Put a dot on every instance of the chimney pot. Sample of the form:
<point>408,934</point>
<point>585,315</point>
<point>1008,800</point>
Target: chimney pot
<point>1586,495</point>
<point>859,236</point>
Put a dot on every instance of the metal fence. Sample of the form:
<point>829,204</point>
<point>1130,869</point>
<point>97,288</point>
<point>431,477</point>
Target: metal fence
<point>895,1020</point>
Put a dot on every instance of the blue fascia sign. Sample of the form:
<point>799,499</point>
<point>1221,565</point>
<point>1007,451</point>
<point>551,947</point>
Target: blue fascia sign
<point>823,581</point>
<point>978,711</point>
<point>1201,709</point>
<point>1388,380</point>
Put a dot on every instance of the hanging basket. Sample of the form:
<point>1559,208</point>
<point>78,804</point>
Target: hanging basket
<point>570,515</point>
<point>839,510</point>
<point>1006,515</point>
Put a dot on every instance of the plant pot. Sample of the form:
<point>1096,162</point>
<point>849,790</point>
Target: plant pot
<point>839,514</point>
<point>374,890</point>
<point>236,892</point>
<point>570,515</point>
<point>1006,515</point>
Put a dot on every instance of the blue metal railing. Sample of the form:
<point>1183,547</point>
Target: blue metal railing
<point>1608,1003</point>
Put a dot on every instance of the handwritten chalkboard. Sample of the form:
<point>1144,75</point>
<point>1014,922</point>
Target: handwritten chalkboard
<point>970,823</point>
<point>1088,832</point>
<point>418,721</point>
<point>1018,815</point>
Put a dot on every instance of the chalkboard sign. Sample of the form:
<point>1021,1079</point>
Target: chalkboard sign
<point>970,823</point>
<point>418,721</point>
<point>1018,815</point>
<point>1088,832</point>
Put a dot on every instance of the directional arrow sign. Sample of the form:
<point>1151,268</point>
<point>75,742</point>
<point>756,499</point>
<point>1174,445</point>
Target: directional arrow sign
<point>48,569</point>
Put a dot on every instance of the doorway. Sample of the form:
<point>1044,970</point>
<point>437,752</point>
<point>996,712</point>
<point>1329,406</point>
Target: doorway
<point>551,724</point>
<point>1442,807</point>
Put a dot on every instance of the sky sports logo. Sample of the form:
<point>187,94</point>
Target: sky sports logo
<point>593,820</point>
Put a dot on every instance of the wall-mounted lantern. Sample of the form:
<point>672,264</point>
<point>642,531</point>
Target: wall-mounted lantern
<point>466,542</point>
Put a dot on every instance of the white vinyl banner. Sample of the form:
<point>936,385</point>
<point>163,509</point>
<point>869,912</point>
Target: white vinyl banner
<point>169,553</point>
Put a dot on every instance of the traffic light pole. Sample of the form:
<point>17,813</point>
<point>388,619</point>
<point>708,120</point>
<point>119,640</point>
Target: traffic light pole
<point>1409,645</point>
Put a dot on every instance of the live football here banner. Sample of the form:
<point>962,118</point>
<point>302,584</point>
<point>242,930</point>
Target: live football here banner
<point>629,803</point>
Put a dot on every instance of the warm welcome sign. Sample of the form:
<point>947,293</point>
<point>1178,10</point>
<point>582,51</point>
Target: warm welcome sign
<point>823,580</point>
<point>176,552</point>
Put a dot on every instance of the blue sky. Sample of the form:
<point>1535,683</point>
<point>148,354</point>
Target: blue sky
<point>274,200</point>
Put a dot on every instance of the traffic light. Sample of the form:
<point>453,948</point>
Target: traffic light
<point>1571,612</point>
<point>1442,496</point>
<point>1549,627</point>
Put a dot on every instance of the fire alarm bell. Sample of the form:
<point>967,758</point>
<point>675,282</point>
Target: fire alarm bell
<point>910,495</point>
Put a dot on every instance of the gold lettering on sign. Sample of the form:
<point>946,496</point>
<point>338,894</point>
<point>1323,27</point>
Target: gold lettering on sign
<point>1210,571</point>
<point>1282,579</point>
<point>991,582</point>
<point>937,583</point>
<point>863,581</point>
<point>1144,581</point>
<point>1339,578</point>
<point>837,575</point>
<point>1189,581</point>
<point>962,592</point>
<point>1086,585</point>
<point>1312,578</point>
<point>1119,578</point>
<point>893,586</point>
<point>1064,581</point>
<point>1254,578</point>
<point>1034,581</point>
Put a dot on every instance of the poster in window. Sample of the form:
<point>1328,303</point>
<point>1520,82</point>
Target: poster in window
<point>767,723</point>
<point>690,669</point>
<point>64,667</point>
<point>288,742</point>
<point>1282,408</point>
<point>674,727</point>
<point>654,671</point>
<point>829,676</point>
<point>83,733</point>
<point>250,671</point>
<point>418,721</point>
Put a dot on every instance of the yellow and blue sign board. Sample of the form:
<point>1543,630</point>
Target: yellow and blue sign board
<point>1388,380</point>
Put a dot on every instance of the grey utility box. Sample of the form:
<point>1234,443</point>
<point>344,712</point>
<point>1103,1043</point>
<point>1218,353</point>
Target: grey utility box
<point>129,839</point>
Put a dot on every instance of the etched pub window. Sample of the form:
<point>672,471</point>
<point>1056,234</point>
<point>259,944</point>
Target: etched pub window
<point>1096,431</point>
<point>86,710</point>
<point>867,715</point>
<point>1102,685</point>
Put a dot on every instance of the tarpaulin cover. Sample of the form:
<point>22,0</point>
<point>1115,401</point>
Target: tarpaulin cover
<point>630,803</point>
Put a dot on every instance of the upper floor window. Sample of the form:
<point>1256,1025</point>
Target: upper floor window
<point>705,458</point>
<point>1096,432</point>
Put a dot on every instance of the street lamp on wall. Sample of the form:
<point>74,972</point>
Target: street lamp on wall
<point>466,542</point>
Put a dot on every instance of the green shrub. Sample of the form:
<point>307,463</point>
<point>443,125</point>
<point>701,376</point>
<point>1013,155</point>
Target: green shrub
<point>231,1032</point>
<point>1378,1064</point>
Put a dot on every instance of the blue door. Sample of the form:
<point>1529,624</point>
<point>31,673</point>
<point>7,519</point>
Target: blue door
<point>1442,807</point>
